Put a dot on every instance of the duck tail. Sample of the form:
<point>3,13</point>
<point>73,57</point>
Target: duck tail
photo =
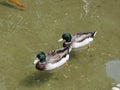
<point>93,34</point>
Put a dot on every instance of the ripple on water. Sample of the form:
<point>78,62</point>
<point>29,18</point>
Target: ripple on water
<point>86,6</point>
<point>113,70</point>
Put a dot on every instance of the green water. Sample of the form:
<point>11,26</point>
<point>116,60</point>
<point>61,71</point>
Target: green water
<point>23,33</point>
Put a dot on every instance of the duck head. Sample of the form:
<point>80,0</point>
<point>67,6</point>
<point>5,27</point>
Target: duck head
<point>40,61</point>
<point>66,36</point>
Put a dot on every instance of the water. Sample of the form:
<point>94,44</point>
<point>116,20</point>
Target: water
<point>23,33</point>
<point>112,70</point>
<point>86,6</point>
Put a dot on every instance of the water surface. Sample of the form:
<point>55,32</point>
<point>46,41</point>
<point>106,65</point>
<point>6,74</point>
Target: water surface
<point>23,33</point>
<point>112,69</point>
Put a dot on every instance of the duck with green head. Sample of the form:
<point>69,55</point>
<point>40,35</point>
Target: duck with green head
<point>52,60</point>
<point>78,40</point>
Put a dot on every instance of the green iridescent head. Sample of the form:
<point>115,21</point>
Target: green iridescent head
<point>42,57</point>
<point>67,37</point>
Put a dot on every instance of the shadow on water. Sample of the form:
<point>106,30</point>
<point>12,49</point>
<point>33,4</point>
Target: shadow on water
<point>9,5</point>
<point>36,79</point>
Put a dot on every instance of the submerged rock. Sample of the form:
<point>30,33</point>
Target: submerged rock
<point>117,87</point>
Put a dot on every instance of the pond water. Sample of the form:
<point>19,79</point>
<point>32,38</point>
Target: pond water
<point>113,71</point>
<point>23,33</point>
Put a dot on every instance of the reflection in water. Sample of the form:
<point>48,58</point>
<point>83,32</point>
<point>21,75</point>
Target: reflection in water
<point>85,7</point>
<point>36,79</point>
<point>113,70</point>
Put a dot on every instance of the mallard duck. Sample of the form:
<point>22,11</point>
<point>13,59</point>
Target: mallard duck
<point>78,40</point>
<point>52,60</point>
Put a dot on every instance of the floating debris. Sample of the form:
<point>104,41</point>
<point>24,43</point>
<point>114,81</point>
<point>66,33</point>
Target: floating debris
<point>17,3</point>
<point>117,87</point>
<point>65,76</point>
<point>112,70</point>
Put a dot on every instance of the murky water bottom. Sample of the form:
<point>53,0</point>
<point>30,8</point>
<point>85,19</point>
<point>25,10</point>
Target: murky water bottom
<point>23,33</point>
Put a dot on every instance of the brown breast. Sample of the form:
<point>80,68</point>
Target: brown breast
<point>40,66</point>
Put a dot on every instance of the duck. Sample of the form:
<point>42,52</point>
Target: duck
<point>78,40</point>
<point>51,60</point>
<point>17,3</point>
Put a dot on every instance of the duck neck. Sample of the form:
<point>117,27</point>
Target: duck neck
<point>68,40</point>
<point>66,44</point>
